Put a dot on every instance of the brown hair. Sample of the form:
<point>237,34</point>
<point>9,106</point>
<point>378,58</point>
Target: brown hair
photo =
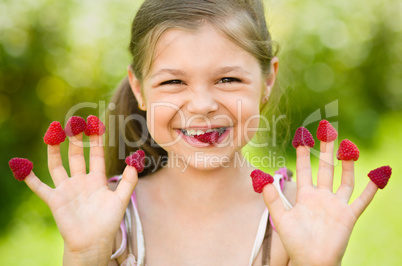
<point>242,21</point>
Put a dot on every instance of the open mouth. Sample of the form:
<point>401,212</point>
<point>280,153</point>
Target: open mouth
<point>193,133</point>
<point>210,136</point>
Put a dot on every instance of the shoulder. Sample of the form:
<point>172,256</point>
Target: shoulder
<point>289,191</point>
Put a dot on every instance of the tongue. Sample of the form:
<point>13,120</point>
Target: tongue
<point>211,137</point>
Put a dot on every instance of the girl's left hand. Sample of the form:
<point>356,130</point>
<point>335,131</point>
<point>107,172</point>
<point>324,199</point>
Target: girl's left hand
<point>317,229</point>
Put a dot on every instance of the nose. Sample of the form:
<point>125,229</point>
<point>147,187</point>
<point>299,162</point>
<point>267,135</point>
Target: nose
<point>202,102</point>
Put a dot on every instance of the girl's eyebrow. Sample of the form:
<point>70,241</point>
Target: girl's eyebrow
<point>218,71</point>
<point>171,71</point>
<point>227,69</point>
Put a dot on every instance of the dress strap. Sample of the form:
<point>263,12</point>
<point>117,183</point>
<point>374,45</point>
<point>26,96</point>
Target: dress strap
<point>277,184</point>
<point>280,177</point>
<point>264,230</point>
<point>260,236</point>
<point>123,244</point>
<point>126,231</point>
<point>266,248</point>
<point>139,233</point>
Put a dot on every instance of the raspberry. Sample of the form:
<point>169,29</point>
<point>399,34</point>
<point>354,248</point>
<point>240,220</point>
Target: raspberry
<point>326,132</point>
<point>137,160</point>
<point>20,167</point>
<point>94,126</point>
<point>347,151</point>
<point>260,179</point>
<point>55,134</point>
<point>303,138</point>
<point>210,137</point>
<point>75,125</point>
<point>380,176</point>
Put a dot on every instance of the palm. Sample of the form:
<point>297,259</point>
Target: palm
<point>85,209</point>
<point>318,221</point>
<point>317,229</point>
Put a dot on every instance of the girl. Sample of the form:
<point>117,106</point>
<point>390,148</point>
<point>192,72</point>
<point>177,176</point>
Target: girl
<point>202,73</point>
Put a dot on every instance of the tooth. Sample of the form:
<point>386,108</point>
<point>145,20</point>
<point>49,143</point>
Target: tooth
<point>192,132</point>
<point>200,132</point>
<point>210,130</point>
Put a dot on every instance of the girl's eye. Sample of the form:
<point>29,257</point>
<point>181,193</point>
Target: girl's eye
<point>229,80</point>
<point>172,82</point>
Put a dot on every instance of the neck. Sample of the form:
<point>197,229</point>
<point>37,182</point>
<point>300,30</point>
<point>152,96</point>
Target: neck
<point>205,189</point>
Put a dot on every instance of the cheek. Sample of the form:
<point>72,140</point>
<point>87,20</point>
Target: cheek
<point>250,120</point>
<point>159,119</point>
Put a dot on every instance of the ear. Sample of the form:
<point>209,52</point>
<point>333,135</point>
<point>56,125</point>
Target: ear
<point>270,80</point>
<point>136,88</point>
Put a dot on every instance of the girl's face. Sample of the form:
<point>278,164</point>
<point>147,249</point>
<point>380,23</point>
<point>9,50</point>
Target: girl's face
<point>199,81</point>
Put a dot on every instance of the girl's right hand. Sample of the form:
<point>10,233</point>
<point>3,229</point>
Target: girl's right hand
<point>87,213</point>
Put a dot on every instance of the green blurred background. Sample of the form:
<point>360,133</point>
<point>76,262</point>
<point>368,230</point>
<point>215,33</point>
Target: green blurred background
<point>339,59</point>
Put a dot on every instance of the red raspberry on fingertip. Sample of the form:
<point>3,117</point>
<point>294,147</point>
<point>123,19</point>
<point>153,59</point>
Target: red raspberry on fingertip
<point>326,132</point>
<point>20,167</point>
<point>260,180</point>
<point>54,134</point>
<point>94,126</point>
<point>75,125</point>
<point>347,151</point>
<point>137,160</point>
<point>303,137</point>
<point>380,176</point>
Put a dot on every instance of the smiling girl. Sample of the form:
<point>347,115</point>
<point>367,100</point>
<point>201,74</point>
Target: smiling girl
<point>202,72</point>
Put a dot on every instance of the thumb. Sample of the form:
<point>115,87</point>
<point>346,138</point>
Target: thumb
<point>127,184</point>
<point>273,202</point>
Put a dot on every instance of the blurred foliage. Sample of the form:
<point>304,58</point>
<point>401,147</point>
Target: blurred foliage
<point>55,55</point>
<point>345,51</point>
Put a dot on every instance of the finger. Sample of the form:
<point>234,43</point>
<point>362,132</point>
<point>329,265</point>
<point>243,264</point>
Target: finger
<point>127,184</point>
<point>96,155</point>
<point>273,202</point>
<point>303,167</point>
<point>38,187</point>
<point>345,190</point>
<point>76,157</point>
<point>55,164</point>
<point>361,203</point>
<point>326,166</point>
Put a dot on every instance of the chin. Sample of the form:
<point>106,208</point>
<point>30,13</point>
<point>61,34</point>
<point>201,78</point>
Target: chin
<point>200,160</point>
